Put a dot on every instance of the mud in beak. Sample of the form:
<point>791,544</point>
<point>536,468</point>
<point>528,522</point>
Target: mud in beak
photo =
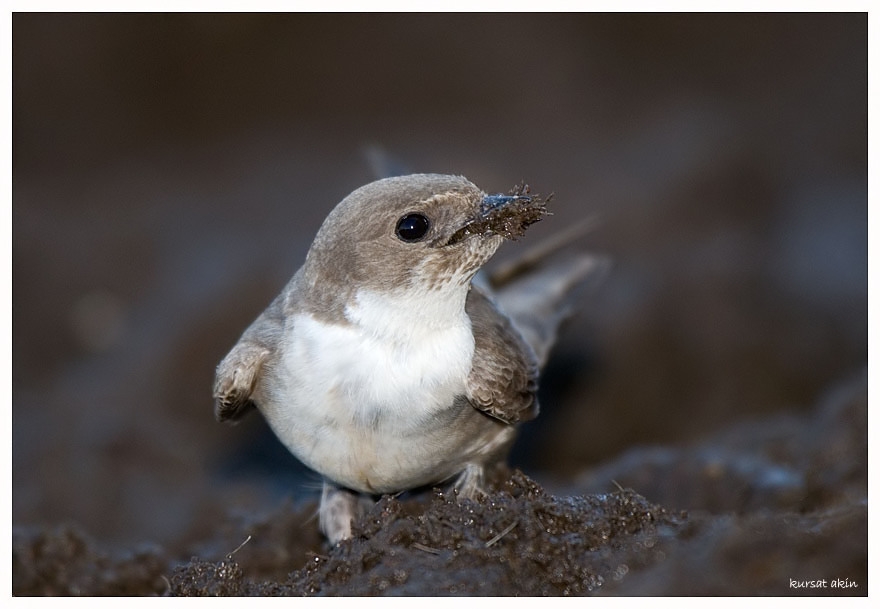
<point>505,215</point>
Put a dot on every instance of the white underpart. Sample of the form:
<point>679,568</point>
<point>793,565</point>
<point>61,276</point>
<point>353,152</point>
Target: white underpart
<point>412,355</point>
<point>358,394</point>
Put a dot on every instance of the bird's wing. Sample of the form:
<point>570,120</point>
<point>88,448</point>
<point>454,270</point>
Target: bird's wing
<point>535,289</point>
<point>538,301</point>
<point>240,371</point>
<point>504,375</point>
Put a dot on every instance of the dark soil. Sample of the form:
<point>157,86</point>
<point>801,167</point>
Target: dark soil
<point>783,503</point>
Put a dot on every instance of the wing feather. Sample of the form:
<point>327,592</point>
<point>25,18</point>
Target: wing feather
<point>503,381</point>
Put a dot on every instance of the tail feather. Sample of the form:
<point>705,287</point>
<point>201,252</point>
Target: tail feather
<point>541,300</point>
<point>539,253</point>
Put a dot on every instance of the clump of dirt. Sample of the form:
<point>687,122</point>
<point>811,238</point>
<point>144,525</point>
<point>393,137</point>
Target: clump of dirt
<point>204,578</point>
<point>64,561</point>
<point>517,540</point>
<point>509,219</point>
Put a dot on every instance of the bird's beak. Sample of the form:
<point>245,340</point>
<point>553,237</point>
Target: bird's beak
<point>492,202</point>
<point>507,216</point>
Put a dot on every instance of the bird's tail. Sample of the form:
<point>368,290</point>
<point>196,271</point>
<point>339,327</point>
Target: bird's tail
<point>536,290</point>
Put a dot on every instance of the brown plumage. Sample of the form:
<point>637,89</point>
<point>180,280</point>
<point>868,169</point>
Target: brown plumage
<point>380,365</point>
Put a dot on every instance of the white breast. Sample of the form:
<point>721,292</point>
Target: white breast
<point>352,400</point>
<point>375,375</point>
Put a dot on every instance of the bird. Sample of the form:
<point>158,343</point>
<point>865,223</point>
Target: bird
<point>389,362</point>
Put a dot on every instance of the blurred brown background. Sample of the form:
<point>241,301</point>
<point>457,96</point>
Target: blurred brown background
<point>169,172</point>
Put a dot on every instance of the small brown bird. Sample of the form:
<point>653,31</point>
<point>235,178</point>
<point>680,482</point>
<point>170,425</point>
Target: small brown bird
<point>382,365</point>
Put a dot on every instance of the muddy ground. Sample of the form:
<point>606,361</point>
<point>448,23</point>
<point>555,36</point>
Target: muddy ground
<point>777,501</point>
<point>704,414</point>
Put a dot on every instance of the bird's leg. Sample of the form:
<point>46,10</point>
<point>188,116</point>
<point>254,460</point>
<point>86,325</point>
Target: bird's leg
<point>490,470</point>
<point>339,507</point>
<point>469,483</point>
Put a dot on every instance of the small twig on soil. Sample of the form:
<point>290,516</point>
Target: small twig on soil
<point>425,548</point>
<point>229,556</point>
<point>495,539</point>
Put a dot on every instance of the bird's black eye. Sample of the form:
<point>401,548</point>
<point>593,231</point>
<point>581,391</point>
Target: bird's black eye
<point>412,227</point>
